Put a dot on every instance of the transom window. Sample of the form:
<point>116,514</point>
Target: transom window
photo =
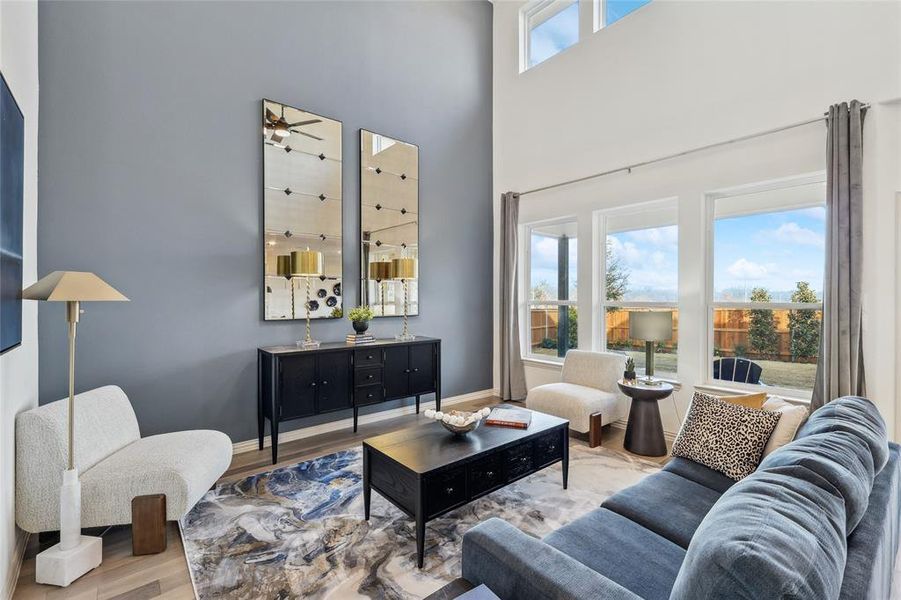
<point>547,28</point>
<point>766,302</point>
<point>552,284</point>
<point>608,12</point>
<point>641,273</point>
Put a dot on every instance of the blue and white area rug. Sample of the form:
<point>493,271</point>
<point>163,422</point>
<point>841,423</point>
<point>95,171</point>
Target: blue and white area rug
<point>299,532</point>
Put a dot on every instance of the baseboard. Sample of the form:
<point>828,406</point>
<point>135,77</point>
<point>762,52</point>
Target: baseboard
<point>18,557</point>
<point>305,432</point>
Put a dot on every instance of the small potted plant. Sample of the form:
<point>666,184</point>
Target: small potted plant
<point>360,317</point>
<point>629,373</point>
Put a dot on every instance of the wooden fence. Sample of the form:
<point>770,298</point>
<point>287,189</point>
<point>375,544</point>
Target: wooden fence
<point>730,332</point>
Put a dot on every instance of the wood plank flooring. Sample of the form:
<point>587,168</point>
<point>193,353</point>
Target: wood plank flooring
<point>165,575</point>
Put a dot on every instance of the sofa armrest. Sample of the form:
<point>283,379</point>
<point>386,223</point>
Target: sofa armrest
<point>516,565</point>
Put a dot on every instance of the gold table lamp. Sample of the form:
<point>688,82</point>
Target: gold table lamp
<point>404,269</point>
<point>283,268</point>
<point>75,554</point>
<point>381,271</point>
<point>307,263</point>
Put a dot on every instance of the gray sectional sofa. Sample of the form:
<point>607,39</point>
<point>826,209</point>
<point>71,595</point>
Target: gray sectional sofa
<point>818,519</point>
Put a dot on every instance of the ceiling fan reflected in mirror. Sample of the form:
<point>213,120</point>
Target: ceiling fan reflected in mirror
<point>277,128</point>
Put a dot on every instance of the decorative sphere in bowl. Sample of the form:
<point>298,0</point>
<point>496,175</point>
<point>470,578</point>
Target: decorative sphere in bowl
<point>458,422</point>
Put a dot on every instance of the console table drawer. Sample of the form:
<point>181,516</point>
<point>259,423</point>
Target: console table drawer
<point>370,394</point>
<point>486,474</point>
<point>548,448</point>
<point>444,491</point>
<point>368,357</point>
<point>367,376</point>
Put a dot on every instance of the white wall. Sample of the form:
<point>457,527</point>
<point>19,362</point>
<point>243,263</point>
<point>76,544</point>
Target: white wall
<point>19,367</point>
<point>678,75</point>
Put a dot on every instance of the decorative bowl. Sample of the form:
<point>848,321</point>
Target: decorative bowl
<point>459,422</point>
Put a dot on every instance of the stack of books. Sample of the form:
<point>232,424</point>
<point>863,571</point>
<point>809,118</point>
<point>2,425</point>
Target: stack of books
<point>360,338</point>
<point>509,417</point>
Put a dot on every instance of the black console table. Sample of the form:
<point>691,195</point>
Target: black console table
<point>293,383</point>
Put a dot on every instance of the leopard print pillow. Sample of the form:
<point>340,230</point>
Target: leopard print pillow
<point>725,437</point>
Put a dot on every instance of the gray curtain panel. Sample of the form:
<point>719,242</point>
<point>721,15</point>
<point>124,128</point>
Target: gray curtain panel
<point>840,369</point>
<point>513,376</point>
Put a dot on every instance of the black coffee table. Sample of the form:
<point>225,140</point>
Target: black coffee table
<point>426,471</point>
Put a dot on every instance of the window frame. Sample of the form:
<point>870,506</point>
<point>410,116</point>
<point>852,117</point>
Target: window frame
<point>598,17</point>
<point>526,303</point>
<point>712,305</point>
<point>601,304</point>
<point>533,14</point>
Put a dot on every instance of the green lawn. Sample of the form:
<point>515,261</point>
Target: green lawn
<point>798,376</point>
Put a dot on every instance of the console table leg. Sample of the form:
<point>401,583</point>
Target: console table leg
<point>367,490</point>
<point>356,411</point>
<point>420,540</point>
<point>274,427</point>
<point>565,463</point>
<point>417,404</point>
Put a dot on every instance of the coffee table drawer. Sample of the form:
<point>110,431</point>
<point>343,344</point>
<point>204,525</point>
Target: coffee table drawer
<point>548,448</point>
<point>486,474</point>
<point>444,491</point>
<point>519,460</point>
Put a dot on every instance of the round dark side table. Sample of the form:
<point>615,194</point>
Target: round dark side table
<point>644,433</point>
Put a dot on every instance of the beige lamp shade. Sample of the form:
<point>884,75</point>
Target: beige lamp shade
<point>381,270</point>
<point>651,326</point>
<point>283,265</point>
<point>72,286</point>
<point>306,263</point>
<point>404,268</point>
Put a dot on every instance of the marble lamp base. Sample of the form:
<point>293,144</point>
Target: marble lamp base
<point>56,566</point>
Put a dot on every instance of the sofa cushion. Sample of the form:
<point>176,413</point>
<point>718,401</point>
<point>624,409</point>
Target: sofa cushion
<point>793,415</point>
<point>183,465</point>
<point>774,534</point>
<point>667,504</point>
<point>854,415</point>
<point>698,473</point>
<point>725,437</point>
<point>575,403</point>
<point>621,550</point>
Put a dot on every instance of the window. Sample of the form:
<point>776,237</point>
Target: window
<point>641,273</point>
<point>547,28</point>
<point>767,280</point>
<point>608,12</point>
<point>552,284</point>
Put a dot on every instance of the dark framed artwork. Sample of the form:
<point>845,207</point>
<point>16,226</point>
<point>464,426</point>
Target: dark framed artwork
<point>12,178</point>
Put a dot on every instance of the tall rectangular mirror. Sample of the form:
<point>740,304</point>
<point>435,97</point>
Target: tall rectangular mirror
<point>301,211</point>
<point>389,223</point>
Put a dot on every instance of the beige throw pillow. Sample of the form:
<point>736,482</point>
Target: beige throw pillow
<point>746,400</point>
<point>793,416</point>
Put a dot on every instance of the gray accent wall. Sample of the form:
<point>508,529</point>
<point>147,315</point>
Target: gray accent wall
<point>150,172</point>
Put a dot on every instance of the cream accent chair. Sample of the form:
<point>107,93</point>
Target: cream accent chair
<point>588,395</point>
<point>115,463</point>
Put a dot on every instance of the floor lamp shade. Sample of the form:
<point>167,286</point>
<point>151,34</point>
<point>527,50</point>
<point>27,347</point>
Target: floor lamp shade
<point>72,286</point>
<point>306,263</point>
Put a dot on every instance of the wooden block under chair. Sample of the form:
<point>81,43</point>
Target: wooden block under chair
<point>148,524</point>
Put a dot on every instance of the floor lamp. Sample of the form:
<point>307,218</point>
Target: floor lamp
<point>75,554</point>
<point>404,269</point>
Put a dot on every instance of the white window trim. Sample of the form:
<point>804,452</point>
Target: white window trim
<point>710,215</point>
<point>525,277</point>
<point>599,287</point>
<point>533,14</point>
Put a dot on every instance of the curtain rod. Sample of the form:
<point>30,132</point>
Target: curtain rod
<point>644,163</point>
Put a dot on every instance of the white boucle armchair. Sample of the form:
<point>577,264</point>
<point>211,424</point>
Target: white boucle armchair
<point>116,464</point>
<point>588,395</point>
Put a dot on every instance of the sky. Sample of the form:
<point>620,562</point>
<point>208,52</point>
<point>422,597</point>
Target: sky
<point>651,257</point>
<point>770,250</point>
<point>544,264</point>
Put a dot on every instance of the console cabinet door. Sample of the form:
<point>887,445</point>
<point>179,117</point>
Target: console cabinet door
<point>334,381</point>
<point>397,372</point>
<point>298,386</point>
<point>422,368</point>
